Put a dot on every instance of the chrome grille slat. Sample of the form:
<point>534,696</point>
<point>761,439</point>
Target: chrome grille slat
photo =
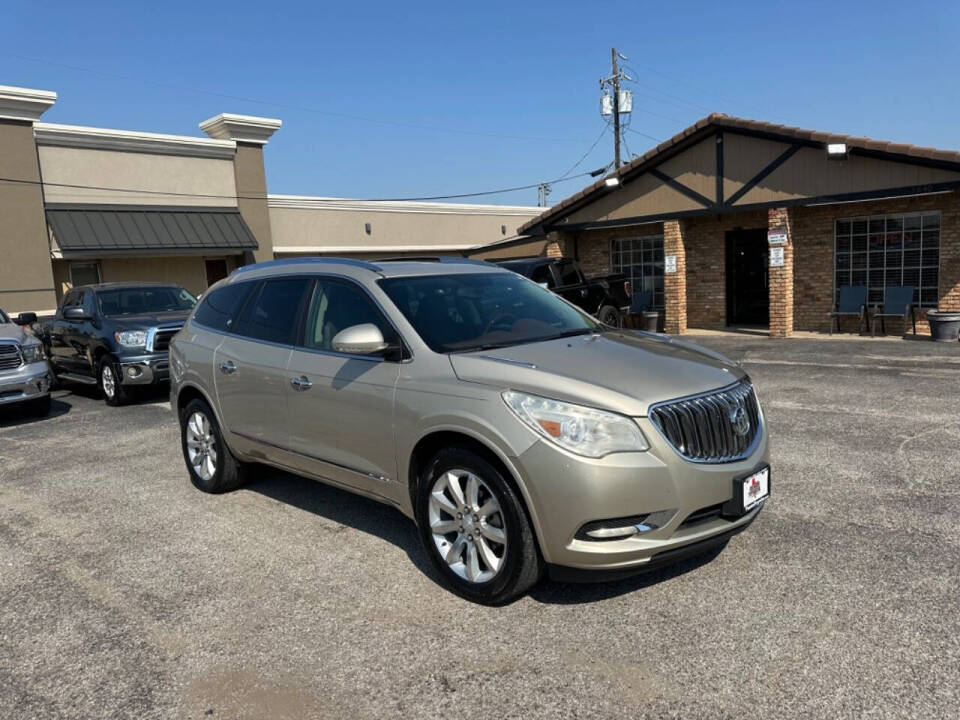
<point>10,356</point>
<point>701,429</point>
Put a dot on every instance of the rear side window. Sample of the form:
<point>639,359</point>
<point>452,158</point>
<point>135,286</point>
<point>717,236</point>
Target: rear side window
<point>219,309</point>
<point>271,314</point>
<point>569,275</point>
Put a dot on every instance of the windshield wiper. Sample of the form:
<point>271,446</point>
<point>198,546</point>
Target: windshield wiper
<point>573,333</point>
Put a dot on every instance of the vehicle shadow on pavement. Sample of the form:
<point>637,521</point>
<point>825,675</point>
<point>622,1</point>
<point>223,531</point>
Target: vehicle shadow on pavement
<point>12,415</point>
<point>344,508</point>
<point>557,593</point>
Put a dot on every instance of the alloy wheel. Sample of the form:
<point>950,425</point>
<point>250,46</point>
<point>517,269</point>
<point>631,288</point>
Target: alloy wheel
<point>107,380</point>
<point>201,446</point>
<point>467,525</point>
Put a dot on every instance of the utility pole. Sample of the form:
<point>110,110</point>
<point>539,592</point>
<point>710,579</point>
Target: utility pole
<point>616,107</point>
<point>614,104</point>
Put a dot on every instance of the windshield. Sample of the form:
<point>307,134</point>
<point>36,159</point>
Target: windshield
<point>459,313</point>
<point>144,301</point>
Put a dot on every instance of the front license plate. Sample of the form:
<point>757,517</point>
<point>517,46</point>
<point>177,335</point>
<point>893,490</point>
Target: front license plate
<point>754,489</point>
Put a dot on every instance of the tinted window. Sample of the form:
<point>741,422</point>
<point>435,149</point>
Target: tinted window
<point>336,306</point>
<point>144,301</point>
<point>219,308</point>
<point>542,276</point>
<point>569,275</point>
<point>3,317</point>
<point>456,313</point>
<point>272,314</point>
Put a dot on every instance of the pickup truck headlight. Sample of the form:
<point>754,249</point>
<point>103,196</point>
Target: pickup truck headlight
<point>132,338</point>
<point>582,430</point>
<point>33,353</point>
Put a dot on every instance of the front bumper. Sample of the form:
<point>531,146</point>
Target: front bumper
<point>145,369</point>
<point>28,382</point>
<point>566,492</point>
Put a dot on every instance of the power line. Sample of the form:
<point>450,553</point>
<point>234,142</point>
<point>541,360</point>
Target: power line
<point>287,106</point>
<point>643,134</point>
<point>589,150</point>
<point>263,197</point>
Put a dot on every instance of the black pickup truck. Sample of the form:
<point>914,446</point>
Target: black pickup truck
<point>115,335</point>
<point>607,297</point>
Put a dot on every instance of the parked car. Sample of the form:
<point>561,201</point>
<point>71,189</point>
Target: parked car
<point>606,298</point>
<point>520,434</point>
<point>116,335</point>
<point>24,374</point>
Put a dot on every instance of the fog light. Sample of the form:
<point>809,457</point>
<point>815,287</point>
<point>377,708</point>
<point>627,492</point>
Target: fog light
<point>134,372</point>
<point>622,528</point>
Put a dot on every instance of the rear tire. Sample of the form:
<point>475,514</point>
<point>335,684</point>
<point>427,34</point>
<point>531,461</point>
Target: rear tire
<point>609,315</point>
<point>212,467</point>
<point>497,548</point>
<point>108,380</point>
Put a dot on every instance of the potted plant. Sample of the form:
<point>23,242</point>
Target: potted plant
<point>944,326</point>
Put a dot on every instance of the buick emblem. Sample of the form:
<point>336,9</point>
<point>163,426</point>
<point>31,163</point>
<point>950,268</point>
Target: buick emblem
<point>740,420</point>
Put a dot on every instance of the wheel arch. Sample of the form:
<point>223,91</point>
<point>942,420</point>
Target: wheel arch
<point>436,439</point>
<point>190,392</point>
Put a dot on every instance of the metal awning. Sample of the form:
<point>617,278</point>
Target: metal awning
<point>133,230</point>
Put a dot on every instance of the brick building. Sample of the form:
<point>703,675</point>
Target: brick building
<point>740,223</point>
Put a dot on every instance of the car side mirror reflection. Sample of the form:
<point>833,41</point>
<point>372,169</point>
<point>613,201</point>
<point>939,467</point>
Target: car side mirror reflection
<point>26,318</point>
<point>364,339</point>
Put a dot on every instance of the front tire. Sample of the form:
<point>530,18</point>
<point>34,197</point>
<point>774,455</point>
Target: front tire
<point>475,530</point>
<point>108,380</point>
<point>609,315</point>
<point>212,467</point>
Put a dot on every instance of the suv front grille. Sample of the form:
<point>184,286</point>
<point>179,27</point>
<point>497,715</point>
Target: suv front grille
<point>10,357</point>
<point>714,427</point>
<point>162,338</point>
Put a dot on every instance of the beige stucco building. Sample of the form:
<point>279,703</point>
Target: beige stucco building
<point>82,204</point>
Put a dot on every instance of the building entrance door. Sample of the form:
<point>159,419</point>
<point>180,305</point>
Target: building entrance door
<point>216,270</point>
<point>748,294</point>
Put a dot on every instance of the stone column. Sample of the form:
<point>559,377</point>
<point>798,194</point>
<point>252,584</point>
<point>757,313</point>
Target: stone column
<point>26,271</point>
<point>781,278</point>
<point>250,134</point>
<point>675,283</point>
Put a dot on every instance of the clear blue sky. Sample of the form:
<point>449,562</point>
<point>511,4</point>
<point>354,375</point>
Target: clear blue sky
<point>515,83</point>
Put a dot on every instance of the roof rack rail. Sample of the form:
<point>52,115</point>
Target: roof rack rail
<point>310,261</point>
<point>452,259</point>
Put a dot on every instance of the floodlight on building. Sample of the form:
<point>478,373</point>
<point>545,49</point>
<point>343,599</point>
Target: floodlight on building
<point>837,151</point>
<point>611,182</point>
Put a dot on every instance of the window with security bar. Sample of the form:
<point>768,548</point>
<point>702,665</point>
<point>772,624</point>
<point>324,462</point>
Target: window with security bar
<point>641,260</point>
<point>881,251</point>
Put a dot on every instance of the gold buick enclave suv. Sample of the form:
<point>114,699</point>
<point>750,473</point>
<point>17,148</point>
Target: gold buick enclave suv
<point>521,435</point>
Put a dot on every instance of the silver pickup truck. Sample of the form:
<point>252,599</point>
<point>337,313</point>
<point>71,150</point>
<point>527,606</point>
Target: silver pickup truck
<point>24,373</point>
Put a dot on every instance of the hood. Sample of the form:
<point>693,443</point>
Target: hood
<point>625,372</point>
<point>142,322</point>
<point>10,331</point>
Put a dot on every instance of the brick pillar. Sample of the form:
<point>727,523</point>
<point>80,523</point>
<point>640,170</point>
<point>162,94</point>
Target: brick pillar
<point>675,284</point>
<point>555,245</point>
<point>781,278</point>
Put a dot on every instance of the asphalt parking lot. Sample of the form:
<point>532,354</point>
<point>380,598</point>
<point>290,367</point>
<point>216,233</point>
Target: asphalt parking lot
<point>125,593</point>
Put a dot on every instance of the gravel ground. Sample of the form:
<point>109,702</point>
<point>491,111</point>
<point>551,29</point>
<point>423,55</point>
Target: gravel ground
<point>124,592</point>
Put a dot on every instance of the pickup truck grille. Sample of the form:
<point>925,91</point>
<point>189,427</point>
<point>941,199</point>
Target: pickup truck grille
<point>163,336</point>
<point>715,427</point>
<point>10,357</point>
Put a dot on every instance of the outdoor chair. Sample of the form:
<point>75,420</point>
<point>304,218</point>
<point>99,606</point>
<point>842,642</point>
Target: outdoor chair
<point>852,303</point>
<point>897,302</point>
<point>640,302</point>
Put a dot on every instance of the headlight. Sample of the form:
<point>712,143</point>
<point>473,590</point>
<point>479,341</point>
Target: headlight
<point>132,338</point>
<point>582,430</point>
<point>33,353</point>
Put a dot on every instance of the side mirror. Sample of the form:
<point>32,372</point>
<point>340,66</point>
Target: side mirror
<point>26,318</point>
<point>365,339</point>
<point>75,314</point>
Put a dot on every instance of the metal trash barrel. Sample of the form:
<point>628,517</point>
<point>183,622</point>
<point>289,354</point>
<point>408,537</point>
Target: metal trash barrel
<point>651,320</point>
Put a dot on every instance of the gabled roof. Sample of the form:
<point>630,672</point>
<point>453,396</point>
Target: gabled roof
<point>719,121</point>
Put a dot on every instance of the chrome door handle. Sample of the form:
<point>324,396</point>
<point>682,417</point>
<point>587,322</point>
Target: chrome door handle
<point>301,383</point>
<point>228,367</point>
